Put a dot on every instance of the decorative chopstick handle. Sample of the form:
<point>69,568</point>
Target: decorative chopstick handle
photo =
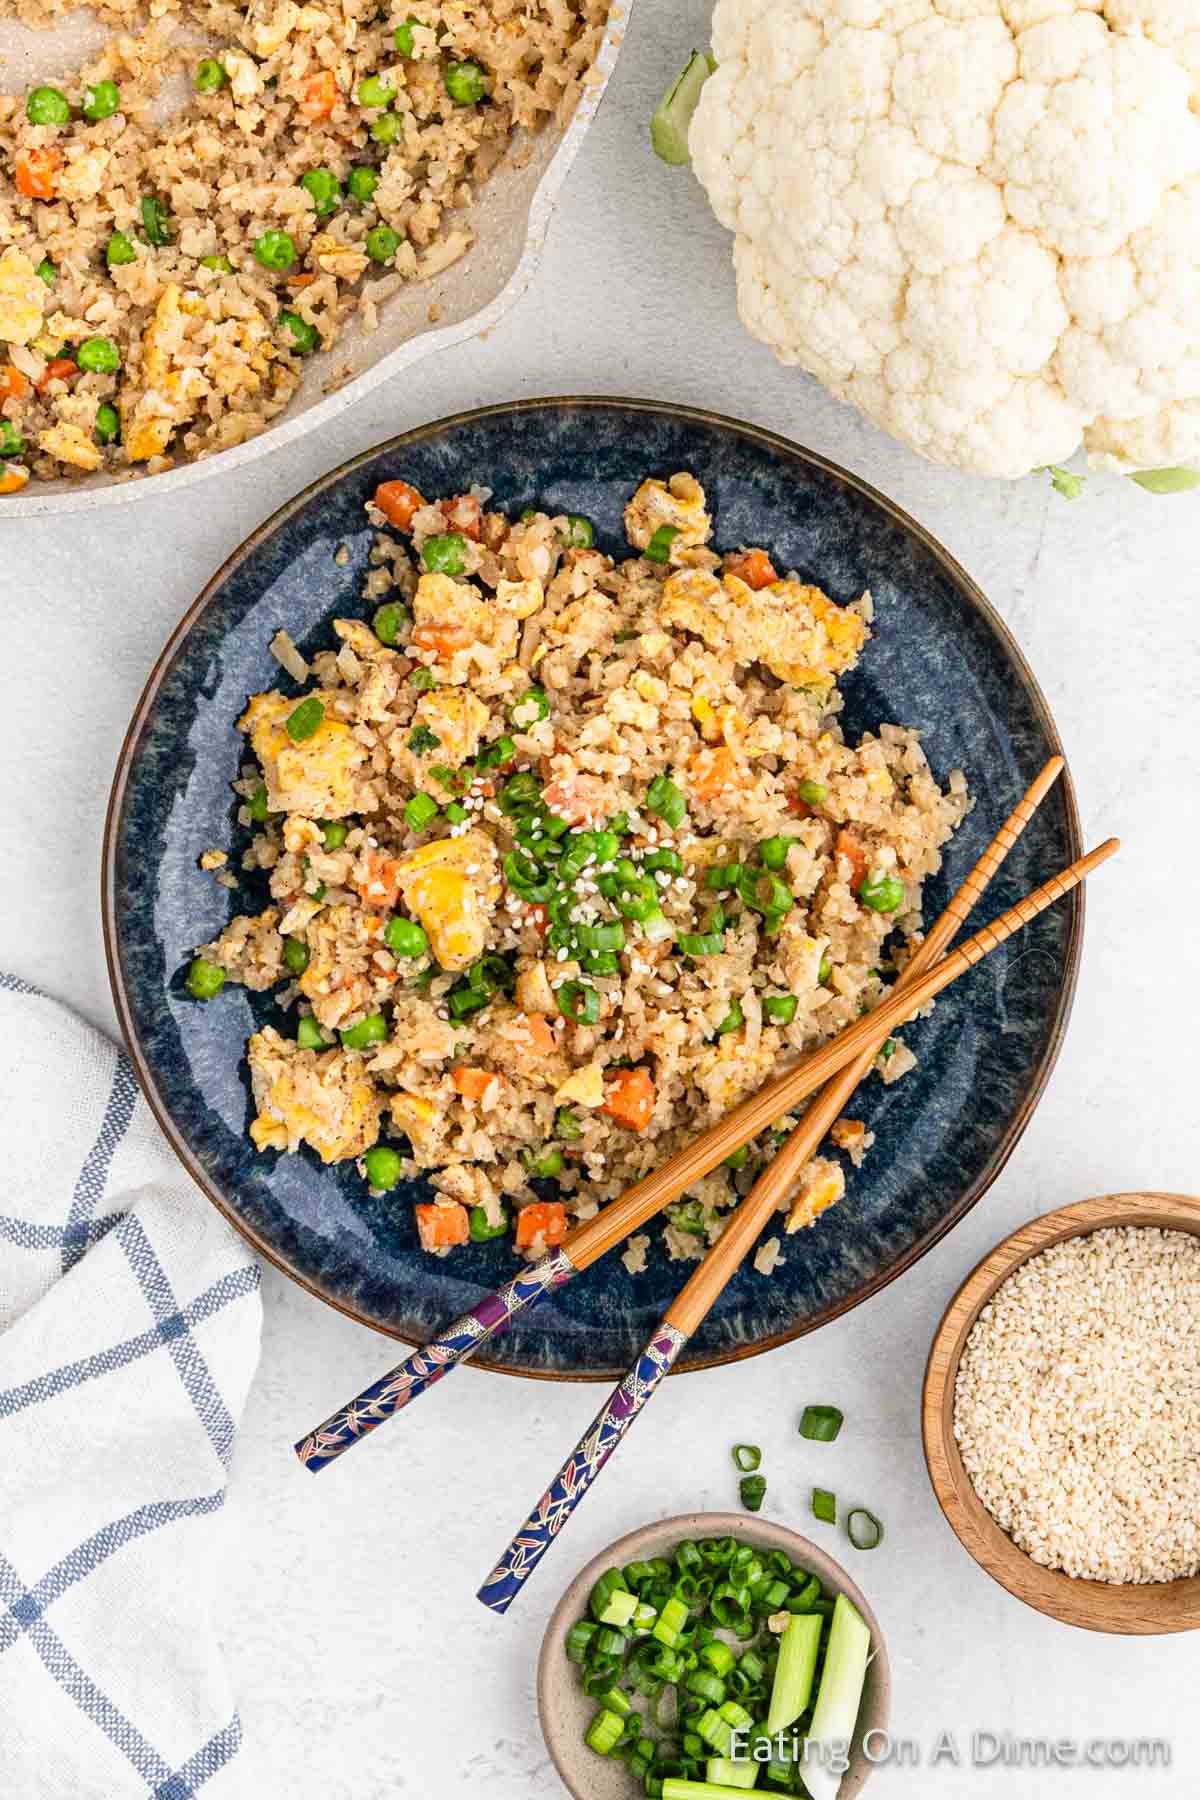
<point>580,1470</point>
<point>418,1372</point>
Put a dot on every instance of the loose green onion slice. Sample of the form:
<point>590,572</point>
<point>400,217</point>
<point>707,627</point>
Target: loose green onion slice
<point>305,719</point>
<point>764,893</point>
<point>257,805</point>
<point>781,1008</point>
<point>532,707</point>
<point>671,119</point>
<point>824,1506</point>
<point>496,754</point>
<point>733,1021</point>
<point>422,680</point>
<point>526,877</point>
<point>663,861</point>
<point>774,852</point>
<point>888,1051</point>
<point>665,801</point>
<point>605,1732</point>
<point>701,943</point>
<point>578,1002</point>
<point>519,792</point>
<point>821,1424</point>
<point>747,1457</point>
<point>420,811</point>
<point>753,1491</point>
<point>863,1528</point>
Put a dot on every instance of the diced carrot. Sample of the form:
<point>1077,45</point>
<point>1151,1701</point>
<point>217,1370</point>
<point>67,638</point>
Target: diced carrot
<point>13,385</point>
<point>539,918</point>
<point>444,639</point>
<point>712,770</point>
<point>547,1218</point>
<point>474,1084</point>
<point>377,878</point>
<point>847,845</point>
<point>464,514</point>
<point>13,477</point>
<point>398,502</point>
<point>800,807</point>
<point>301,281</point>
<point>538,1029</point>
<point>320,95</point>
<point>61,369</point>
<point>629,1098</point>
<point>754,567</point>
<point>575,798</point>
<point>440,1227</point>
<point>35,170</point>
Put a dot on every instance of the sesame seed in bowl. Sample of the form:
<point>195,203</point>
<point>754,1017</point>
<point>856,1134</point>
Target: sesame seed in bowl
<point>1062,1414</point>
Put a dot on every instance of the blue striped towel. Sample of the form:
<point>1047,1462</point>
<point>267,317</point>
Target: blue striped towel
<point>129,1332</point>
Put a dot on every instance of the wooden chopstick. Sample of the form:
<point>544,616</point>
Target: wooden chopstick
<point>607,1430</point>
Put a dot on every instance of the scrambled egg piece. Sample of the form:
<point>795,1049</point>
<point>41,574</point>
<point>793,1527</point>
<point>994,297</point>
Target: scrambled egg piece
<point>521,598</point>
<point>23,296</point>
<point>821,1186</point>
<point>451,885</point>
<point>311,1097</point>
<point>678,502</point>
<point>798,632</point>
<point>416,1118</point>
<point>13,477</point>
<point>585,1087</point>
<point>315,777</point>
<point>456,720</point>
<point>69,444</point>
<point>336,258</point>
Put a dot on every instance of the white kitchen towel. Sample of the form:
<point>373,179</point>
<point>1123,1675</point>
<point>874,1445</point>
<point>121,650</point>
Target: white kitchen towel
<point>129,1331</point>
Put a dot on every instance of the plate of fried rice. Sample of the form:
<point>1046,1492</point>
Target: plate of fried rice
<point>524,796</point>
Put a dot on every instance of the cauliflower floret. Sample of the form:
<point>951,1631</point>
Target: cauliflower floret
<point>315,777</point>
<point>982,231</point>
<point>678,503</point>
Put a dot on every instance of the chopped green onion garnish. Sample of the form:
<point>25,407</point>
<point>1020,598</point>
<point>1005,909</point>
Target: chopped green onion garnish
<point>863,1528</point>
<point>780,1008</point>
<point>764,893</point>
<point>496,754</point>
<point>422,741</point>
<point>420,811</point>
<point>605,1732</point>
<point>422,680</point>
<point>305,719</point>
<point>821,1424</point>
<point>723,876</point>
<point>578,1002</point>
<point>701,943</point>
<point>753,1491</point>
<point>774,852</point>
<point>824,1505</point>
<point>665,801</point>
<point>733,1021</point>
<point>747,1457</point>
<point>532,707</point>
<point>737,1159</point>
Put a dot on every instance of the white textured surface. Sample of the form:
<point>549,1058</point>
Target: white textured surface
<point>364,1666</point>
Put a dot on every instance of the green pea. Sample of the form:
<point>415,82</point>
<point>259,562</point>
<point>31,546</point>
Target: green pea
<point>403,37</point>
<point>445,555</point>
<point>210,75</point>
<point>310,1035</point>
<point>466,83</point>
<point>774,852</point>
<point>120,249</point>
<point>325,188</point>
<point>108,423</point>
<point>371,1030</point>
<point>813,793</point>
<point>220,265</point>
<point>275,250</point>
<point>101,101</point>
<point>386,128</point>
<point>99,356</point>
<point>389,621</point>
<point>334,833</point>
<point>882,893</point>
<point>257,803</point>
<point>825,970</point>
<point>382,1166</point>
<point>404,937</point>
<point>156,220</point>
<point>295,954</point>
<point>361,183</point>
<point>373,91</point>
<point>737,1159</point>
<point>204,979</point>
<point>482,1230</point>
<point>382,243</point>
<point>11,441</point>
<point>544,1167</point>
<point>580,535</point>
<point>305,337</point>
<point>47,271</point>
<point>47,106</point>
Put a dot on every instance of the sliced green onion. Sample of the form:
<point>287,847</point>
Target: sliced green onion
<point>673,115</point>
<point>419,811</point>
<point>526,877</point>
<point>305,719</point>
<point>566,1124</point>
<point>665,801</point>
<point>701,943</point>
<point>774,852</point>
<point>863,1529</point>
<point>422,741</point>
<point>456,814</point>
<point>663,862</point>
<point>670,1623</point>
<point>733,1021</point>
<point>747,1457</point>
<point>612,1581</point>
<point>824,1506</point>
<point>753,1491</point>
<point>496,754</point>
<point>605,1732</point>
<point>578,1002</point>
<point>764,893</point>
<point>519,791</point>
<point>781,1008</point>
<point>723,876</point>
<point>530,709</point>
<point>737,1159</point>
<point>821,1424</point>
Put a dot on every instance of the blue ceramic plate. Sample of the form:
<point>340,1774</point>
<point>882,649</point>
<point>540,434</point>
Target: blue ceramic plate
<point>941,660</point>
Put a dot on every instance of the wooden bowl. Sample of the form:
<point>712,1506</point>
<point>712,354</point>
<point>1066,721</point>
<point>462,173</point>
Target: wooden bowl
<point>1141,1609</point>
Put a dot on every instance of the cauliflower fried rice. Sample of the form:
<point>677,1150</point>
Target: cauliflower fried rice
<point>565,857</point>
<point>163,278</point>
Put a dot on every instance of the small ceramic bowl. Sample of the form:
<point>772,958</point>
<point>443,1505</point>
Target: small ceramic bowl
<point>1132,1610</point>
<point>565,1710</point>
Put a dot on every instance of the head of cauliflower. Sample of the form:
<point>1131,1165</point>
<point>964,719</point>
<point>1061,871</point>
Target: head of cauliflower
<point>978,221</point>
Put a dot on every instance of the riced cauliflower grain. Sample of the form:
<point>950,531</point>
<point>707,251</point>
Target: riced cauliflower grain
<point>1077,1406</point>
